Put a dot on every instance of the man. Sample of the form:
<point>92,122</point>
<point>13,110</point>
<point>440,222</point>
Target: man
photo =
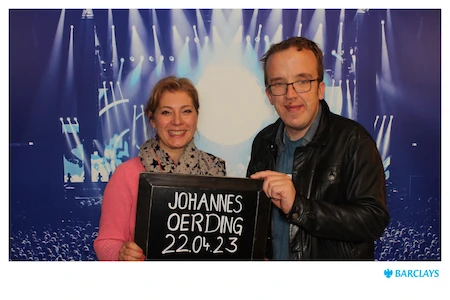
<point>323,172</point>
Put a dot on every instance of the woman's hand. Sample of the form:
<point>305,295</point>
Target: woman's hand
<point>130,251</point>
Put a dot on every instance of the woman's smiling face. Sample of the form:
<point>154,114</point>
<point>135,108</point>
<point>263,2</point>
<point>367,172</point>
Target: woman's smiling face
<point>175,121</point>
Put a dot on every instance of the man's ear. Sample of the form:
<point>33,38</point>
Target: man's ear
<point>321,91</point>
<point>269,95</point>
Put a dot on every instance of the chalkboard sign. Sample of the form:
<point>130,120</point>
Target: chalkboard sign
<point>190,217</point>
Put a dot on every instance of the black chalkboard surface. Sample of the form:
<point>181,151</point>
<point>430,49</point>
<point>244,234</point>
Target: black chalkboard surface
<point>190,217</point>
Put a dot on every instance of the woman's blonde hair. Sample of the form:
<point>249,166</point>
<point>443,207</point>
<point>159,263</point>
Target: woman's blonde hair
<point>171,84</point>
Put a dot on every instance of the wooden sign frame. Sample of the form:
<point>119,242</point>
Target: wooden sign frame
<point>192,217</point>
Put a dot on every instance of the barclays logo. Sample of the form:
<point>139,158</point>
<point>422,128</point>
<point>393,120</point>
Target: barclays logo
<point>411,273</point>
<point>388,273</point>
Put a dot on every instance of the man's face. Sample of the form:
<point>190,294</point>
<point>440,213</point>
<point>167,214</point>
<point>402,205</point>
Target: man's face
<point>297,110</point>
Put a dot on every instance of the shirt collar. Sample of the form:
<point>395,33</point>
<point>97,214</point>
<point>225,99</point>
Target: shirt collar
<point>308,137</point>
<point>313,129</point>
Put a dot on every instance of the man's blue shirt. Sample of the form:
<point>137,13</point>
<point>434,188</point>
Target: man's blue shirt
<point>285,161</point>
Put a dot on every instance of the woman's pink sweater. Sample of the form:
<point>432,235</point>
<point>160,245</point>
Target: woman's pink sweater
<point>118,215</point>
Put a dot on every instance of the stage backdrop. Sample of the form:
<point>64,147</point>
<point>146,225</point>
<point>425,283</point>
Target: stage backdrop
<point>79,80</point>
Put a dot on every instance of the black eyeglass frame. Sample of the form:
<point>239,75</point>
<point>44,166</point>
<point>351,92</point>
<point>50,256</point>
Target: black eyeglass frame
<point>269,87</point>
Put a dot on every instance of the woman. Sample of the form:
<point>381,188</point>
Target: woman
<point>173,112</point>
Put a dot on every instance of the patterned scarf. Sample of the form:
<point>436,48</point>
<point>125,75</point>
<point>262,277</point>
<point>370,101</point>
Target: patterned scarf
<point>192,161</point>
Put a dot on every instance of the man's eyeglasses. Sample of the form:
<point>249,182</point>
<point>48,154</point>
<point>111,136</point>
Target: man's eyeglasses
<point>300,86</point>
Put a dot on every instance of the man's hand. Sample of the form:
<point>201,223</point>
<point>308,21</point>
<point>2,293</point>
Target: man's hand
<point>278,187</point>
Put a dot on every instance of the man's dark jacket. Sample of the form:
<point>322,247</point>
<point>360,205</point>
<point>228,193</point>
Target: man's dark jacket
<point>340,204</point>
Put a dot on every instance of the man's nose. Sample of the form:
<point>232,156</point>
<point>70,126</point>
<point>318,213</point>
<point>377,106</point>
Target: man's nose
<point>291,91</point>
